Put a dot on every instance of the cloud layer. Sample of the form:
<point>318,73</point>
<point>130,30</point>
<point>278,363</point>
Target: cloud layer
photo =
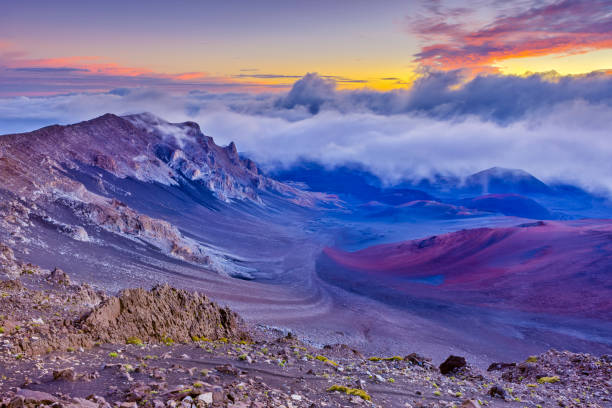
<point>545,28</point>
<point>555,127</point>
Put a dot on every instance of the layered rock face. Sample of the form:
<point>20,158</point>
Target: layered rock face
<point>164,314</point>
<point>141,146</point>
<point>43,174</point>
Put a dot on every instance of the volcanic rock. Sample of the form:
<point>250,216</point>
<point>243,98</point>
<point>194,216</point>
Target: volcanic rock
<point>59,277</point>
<point>498,392</point>
<point>500,366</point>
<point>417,359</point>
<point>8,263</point>
<point>451,364</point>
<point>162,315</point>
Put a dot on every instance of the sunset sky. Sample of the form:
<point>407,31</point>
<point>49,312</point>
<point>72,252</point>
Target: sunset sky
<point>265,46</point>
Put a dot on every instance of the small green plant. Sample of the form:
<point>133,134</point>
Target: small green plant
<point>374,359</point>
<point>197,384</point>
<point>167,341</point>
<point>113,354</point>
<point>326,360</point>
<point>1,330</point>
<point>19,356</point>
<point>242,357</point>
<point>350,391</point>
<point>70,349</point>
<point>532,359</point>
<point>437,393</point>
<point>223,340</point>
<point>135,341</point>
<point>391,380</point>
<point>549,380</point>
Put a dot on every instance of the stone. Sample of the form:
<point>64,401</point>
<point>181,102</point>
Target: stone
<point>59,277</point>
<point>161,315</point>
<point>498,391</point>
<point>451,364</point>
<point>206,398</point>
<point>16,402</point>
<point>36,397</point>
<point>66,374</point>
<point>416,359</point>
<point>83,403</point>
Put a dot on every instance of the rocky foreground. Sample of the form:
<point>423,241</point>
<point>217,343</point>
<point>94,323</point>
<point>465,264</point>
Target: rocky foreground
<point>65,344</point>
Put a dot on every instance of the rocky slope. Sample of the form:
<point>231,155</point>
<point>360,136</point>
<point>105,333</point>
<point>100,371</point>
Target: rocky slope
<point>70,179</point>
<point>64,344</point>
<point>141,146</point>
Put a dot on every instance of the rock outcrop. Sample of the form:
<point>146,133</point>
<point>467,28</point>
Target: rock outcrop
<point>67,316</point>
<point>8,263</point>
<point>162,315</point>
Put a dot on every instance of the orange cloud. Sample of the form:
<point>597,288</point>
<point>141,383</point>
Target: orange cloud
<point>565,27</point>
<point>45,76</point>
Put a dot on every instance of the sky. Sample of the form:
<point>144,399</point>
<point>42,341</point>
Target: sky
<point>264,46</point>
<point>407,88</point>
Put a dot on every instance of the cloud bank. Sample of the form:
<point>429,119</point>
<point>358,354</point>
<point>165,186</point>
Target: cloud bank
<point>562,27</point>
<point>554,127</point>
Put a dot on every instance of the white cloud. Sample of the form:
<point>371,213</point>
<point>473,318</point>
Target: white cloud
<point>562,134</point>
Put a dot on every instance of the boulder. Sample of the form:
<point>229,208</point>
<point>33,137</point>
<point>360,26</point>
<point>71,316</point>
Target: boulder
<point>417,359</point>
<point>452,364</point>
<point>37,397</point>
<point>161,315</point>
<point>497,391</point>
<point>59,277</point>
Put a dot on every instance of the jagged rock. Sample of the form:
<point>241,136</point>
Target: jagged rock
<point>451,364</point>
<point>417,359</point>
<point>500,366</point>
<point>497,391</point>
<point>162,315</point>
<point>521,371</point>
<point>65,374</point>
<point>343,350</point>
<point>8,264</point>
<point>228,369</point>
<point>59,277</point>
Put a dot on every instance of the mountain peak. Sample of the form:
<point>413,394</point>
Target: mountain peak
<point>500,180</point>
<point>503,171</point>
<point>147,148</point>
